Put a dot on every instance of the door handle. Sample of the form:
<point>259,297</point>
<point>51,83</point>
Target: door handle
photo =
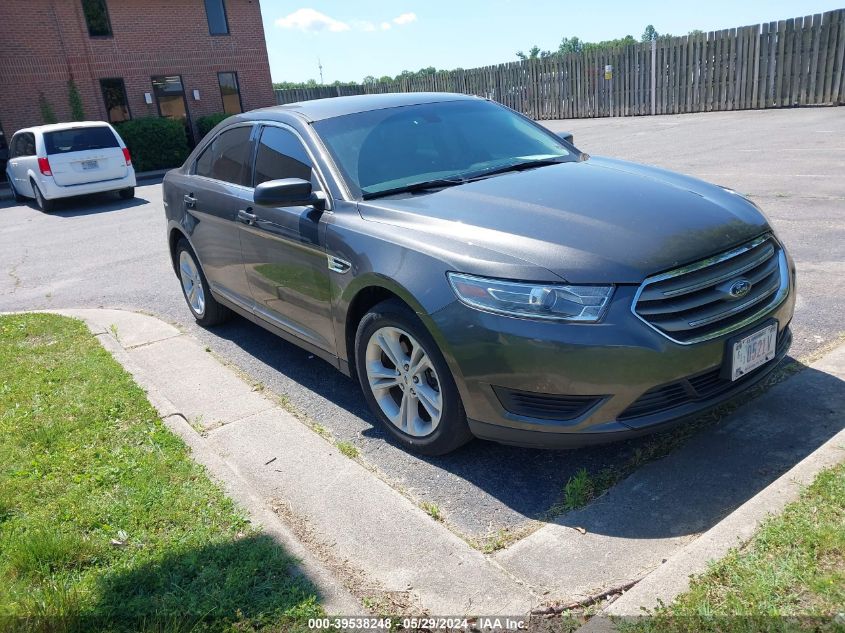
<point>246,217</point>
<point>190,201</point>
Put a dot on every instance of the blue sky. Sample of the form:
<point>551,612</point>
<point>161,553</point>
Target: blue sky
<point>375,37</point>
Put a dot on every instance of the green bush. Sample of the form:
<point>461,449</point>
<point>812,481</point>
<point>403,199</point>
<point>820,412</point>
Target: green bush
<point>77,111</point>
<point>206,123</point>
<point>155,143</point>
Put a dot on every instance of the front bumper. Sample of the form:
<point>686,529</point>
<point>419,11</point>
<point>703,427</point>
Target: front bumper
<point>616,362</point>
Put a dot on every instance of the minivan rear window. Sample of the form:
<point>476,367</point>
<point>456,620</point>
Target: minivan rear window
<point>79,139</point>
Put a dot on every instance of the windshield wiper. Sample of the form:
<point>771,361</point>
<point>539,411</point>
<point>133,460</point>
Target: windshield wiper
<point>520,166</point>
<point>437,183</point>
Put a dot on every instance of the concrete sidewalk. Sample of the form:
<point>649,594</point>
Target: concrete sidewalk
<point>363,543</point>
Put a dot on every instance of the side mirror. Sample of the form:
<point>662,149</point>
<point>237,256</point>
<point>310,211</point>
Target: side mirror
<point>566,136</point>
<point>287,192</point>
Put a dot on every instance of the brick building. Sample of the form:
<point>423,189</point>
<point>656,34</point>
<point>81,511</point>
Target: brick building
<point>131,58</point>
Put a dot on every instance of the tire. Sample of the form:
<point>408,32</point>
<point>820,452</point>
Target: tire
<point>390,323</point>
<point>205,308</point>
<point>45,205</point>
<point>126,194</point>
<point>18,197</point>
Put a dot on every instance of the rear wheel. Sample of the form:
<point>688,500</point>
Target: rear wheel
<point>127,194</point>
<point>45,205</point>
<point>407,382</point>
<point>205,308</point>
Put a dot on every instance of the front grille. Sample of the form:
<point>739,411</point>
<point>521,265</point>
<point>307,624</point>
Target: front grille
<point>544,406</point>
<point>694,303</point>
<point>704,386</point>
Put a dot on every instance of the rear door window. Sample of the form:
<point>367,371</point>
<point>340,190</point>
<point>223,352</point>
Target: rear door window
<point>79,139</point>
<point>228,156</point>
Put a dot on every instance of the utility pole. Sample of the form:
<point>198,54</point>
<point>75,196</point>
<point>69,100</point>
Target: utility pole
<point>320,66</point>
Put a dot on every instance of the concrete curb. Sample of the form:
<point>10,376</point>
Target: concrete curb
<point>333,595</point>
<point>673,578</point>
<point>324,507</point>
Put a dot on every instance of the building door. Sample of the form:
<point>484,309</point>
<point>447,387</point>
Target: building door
<point>170,97</point>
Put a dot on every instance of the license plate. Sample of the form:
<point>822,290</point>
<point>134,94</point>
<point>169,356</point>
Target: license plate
<point>754,350</point>
<point>89,164</point>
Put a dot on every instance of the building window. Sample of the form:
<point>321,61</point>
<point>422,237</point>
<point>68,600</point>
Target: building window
<point>114,96</point>
<point>97,18</point>
<point>218,24</point>
<point>230,92</point>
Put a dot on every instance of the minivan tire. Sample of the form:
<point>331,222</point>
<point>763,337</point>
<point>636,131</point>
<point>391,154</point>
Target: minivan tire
<point>126,194</point>
<point>452,430</point>
<point>18,197</point>
<point>213,313</point>
<point>45,205</point>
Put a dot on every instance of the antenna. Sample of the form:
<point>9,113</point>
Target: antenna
<point>320,66</point>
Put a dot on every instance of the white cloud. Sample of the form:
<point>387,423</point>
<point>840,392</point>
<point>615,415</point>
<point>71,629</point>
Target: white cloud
<point>311,20</point>
<point>405,18</point>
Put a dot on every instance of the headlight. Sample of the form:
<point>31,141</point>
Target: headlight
<point>583,304</point>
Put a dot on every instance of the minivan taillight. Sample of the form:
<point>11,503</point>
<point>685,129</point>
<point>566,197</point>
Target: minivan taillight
<point>127,156</point>
<point>44,166</point>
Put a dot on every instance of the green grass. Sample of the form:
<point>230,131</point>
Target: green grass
<point>105,522</point>
<point>432,510</point>
<point>348,449</point>
<point>790,576</point>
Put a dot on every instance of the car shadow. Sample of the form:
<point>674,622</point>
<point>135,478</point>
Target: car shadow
<point>237,585</point>
<point>88,205</point>
<point>685,480</point>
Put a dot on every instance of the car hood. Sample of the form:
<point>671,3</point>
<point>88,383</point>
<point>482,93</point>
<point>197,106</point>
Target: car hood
<point>598,220</point>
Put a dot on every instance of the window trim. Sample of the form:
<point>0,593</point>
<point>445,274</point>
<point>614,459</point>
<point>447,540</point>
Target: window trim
<point>125,98</point>
<point>225,19</point>
<point>237,85</point>
<point>110,34</point>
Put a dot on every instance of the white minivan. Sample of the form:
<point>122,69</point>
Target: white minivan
<point>49,162</point>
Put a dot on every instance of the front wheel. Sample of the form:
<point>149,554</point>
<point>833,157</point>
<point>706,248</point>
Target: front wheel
<point>18,197</point>
<point>407,383</point>
<point>205,308</point>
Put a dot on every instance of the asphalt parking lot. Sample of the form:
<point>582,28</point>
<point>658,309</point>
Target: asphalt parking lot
<point>102,252</point>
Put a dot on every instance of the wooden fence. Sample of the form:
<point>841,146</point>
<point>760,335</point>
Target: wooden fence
<point>787,63</point>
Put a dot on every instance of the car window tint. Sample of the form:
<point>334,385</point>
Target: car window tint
<point>227,157</point>
<point>79,139</point>
<point>281,155</point>
<point>23,145</point>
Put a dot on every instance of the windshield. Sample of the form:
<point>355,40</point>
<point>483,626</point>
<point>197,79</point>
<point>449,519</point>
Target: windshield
<point>392,148</point>
<point>79,139</point>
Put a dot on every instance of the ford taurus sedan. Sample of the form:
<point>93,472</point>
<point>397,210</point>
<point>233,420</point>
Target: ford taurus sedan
<point>477,274</point>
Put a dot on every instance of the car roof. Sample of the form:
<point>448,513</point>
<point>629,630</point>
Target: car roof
<point>319,109</point>
<point>55,127</point>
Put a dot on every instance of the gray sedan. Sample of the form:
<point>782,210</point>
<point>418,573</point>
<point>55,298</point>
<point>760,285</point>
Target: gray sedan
<point>479,275</point>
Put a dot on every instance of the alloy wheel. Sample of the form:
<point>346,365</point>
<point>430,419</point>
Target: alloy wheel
<point>403,381</point>
<point>191,283</point>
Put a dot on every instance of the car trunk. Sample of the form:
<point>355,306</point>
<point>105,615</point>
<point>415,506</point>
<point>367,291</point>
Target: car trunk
<point>84,155</point>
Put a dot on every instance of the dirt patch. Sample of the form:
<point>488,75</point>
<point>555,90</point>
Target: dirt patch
<point>372,594</point>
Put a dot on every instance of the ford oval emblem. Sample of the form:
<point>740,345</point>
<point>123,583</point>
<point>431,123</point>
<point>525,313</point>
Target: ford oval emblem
<point>739,288</point>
